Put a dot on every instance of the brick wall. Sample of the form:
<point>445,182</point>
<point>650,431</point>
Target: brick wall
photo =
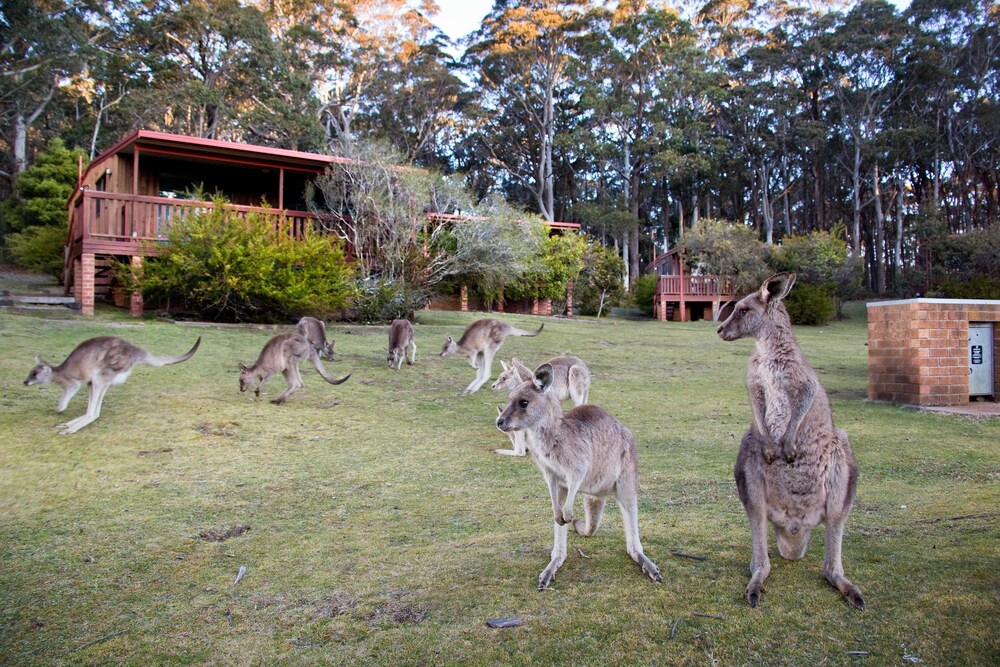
<point>918,350</point>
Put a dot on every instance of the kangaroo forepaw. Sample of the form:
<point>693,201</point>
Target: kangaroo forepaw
<point>651,571</point>
<point>790,454</point>
<point>753,593</point>
<point>770,453</point>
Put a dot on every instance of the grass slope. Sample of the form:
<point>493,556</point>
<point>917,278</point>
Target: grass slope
<point>384,531</point>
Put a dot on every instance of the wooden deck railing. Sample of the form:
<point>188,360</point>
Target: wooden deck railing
<point>106,217</point>
<point>707,287</point>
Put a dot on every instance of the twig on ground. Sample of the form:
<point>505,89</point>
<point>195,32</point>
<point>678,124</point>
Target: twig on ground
<point>581,552</point>
<point>700,615</point>
<point>691,556</point>
<point>673,630</point>
<point>105,638</point>
<point>329,405</point>
<point>988,515</point>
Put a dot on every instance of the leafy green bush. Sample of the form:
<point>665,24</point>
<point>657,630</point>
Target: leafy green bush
<point>248,269</point>
<point>378,300</point>
<point>642,292</point>
<point>599,285</point>
<point>810,305</point>
<point>39,248</point>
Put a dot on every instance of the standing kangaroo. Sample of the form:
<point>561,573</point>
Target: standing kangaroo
<point>99,362</point>
<point>480,343</point>
<point>400,337</point>
<point>571,379</point>
<point>283,354</point>
<point>584,451</point>
<point>794,469</point>
<point>314,331</point>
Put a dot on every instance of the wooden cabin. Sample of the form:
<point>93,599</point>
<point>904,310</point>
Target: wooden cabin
<point>682,296</point>
<point>129,196</point>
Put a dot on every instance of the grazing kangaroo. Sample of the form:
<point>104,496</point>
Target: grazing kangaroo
<point>571,380</point>
<point>283,354</point>
<point>314,331</point>
<point>400,337</point>
<point>794,468</point>
<point>584,451</point>
<point>99,362</point>
<point>480,343</point>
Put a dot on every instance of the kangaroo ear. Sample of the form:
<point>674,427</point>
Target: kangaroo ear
<point>777,287</point>
<point>243,367</point>
<point>503,365</point>
<point>543,377</point>
<point>499,410</point>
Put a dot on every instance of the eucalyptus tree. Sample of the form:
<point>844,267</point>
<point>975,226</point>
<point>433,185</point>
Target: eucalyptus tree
<point>630,66</point>
<point>43,48</point>
<point>414,104</point>
<point>863,64</point>
<point>519,62</point>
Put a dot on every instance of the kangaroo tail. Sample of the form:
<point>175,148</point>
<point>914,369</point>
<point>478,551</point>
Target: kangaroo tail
<point>522,332</point>
<point>318,365</point>
<point>158,360</point>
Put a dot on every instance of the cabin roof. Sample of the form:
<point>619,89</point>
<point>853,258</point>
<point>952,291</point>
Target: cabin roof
<point>148,142</point>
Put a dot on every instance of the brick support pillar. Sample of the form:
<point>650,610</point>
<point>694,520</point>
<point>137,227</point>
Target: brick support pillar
<point>534,306</point>
<point>135,302</point>
<point>464,298</point>
<point>87,283</point>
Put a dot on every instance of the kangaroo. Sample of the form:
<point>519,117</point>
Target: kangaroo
<point>283,354</point>
<point>583,451</point>
<point>572,380</point>
<point>794,468</point>
<point>480,343</point>
<point>99,362</point>
<point>400,337</point>
<point>314,331</point>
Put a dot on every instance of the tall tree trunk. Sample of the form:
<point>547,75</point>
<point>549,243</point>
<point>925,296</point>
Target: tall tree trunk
<point>879,242</point>
<point>765,205</point>
<point>856,199</point>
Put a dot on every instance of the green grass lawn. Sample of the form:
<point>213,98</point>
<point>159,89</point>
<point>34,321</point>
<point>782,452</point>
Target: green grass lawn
<point>384,530</point>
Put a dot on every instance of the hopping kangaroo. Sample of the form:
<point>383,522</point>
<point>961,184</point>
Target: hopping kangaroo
<point>480,343</point>
<point>314,331</point>
<point>99,362</point>
<point>400,337</point>
<point>794,469</point>
<point>584,451</point>
<point>283,354</point>
<point>571,379</point>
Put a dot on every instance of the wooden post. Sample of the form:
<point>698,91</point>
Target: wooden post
<point>684,317</point>
<point>569,298</point>
<point>465,298</point>
<point>87,283</point>
<point>135,302</point>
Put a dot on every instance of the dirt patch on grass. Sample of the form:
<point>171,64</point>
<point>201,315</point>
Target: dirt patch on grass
<point>228,429</point>
<point>398,612</point>
<point>223,534</point>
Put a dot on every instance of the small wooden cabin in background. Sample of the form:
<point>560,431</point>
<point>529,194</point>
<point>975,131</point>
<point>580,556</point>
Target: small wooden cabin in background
<point>129,196</point>
<point>682,297</point>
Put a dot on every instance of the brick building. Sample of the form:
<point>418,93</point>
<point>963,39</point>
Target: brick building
<point>924,351</point>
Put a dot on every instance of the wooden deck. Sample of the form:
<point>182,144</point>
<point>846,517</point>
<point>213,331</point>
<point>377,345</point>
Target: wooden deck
<point>685,297</point>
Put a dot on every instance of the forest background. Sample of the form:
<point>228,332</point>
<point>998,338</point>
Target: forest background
<point>862,121</point>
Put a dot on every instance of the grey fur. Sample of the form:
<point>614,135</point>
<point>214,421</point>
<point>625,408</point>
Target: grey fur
<point>571,380</point>
<point>584,451</point>
<point>400,338</point>
<point>794,469</point>
<point>283,354</point>
<point>100,363</point>
<point>314,331</point>
<point>480,343</point>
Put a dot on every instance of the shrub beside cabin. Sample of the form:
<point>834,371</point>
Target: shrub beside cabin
<point>131,194</point>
